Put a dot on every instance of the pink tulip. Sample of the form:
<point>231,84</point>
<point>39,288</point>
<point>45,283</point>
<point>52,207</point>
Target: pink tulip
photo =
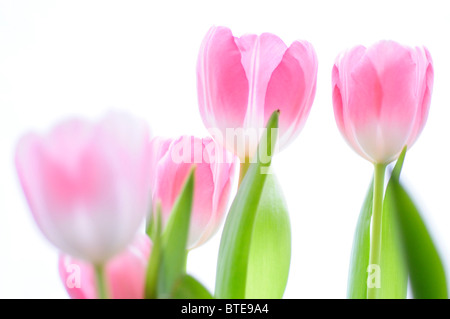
<point>125,274</point>
<point>87,184</point>
<point>213,179</point>
<point>381,97</point>
<point>242,81</point>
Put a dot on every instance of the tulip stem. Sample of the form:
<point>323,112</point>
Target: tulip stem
<point>101,282</point>
<point>375,239</point>
<point>243,170</point>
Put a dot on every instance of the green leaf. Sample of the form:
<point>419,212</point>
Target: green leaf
<point>359,260</point>
<point>393,272</point>
<point>154,262</point>
<point>151,225</point>
<point>234,251</point>
<point>399,165</point>
<point>188,287</point>
<point>425,268</point>
<point>270,248</point>
<point>174,240</point>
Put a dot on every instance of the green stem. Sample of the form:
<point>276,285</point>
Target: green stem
<point>243,170</point>
<point>101,282</point>
<point>375,239</point>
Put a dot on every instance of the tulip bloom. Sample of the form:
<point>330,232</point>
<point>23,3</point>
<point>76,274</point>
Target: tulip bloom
<point>381,97</point>
<point>87,184</point>
<point>125,273</point>
<point>214,174</point>
<point>242,81</point>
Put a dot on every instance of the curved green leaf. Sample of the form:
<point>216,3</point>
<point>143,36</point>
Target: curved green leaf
<point>270,248</point>
<point>187,287</point>
<point>174,240</point>
<point>151,282</point>
<point>232,265</point>
<point>393,272</point>
<point>425,268</point>
<point>359,260</point>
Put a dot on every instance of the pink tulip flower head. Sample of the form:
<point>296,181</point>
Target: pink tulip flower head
<point>381,97</point>
<point>125,273</point>
<point>242,81</point>
<point>213,180</point>
<point>88,184</point>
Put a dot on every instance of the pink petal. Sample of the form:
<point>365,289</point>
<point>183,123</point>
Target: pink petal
<point>159,147</point>
<point>291,89</point>
<point>125,273</point>
<point>260,56</point>
<point>381,97</point>
<point>222,172</point>
<point>221,81</point>
<point>210,191</point>
<point>88,184</point>
<point>78,278</point>
<point>383,105</point>
<point>425,78</point>
<point>337,99</point>
<point>342,69</point>
<point>171,173</point>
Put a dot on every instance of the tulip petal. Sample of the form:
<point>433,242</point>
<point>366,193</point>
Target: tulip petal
<point>221,81</point>
<point>425,77</point>
<point>125,273</point>
<point>159,147</point>
<point>364,106</point>
<point>87,185</point>
<point>381,98</point>
<point>340,83</point>
<point>337,100</point>
<point>169,178</point>
<point>400,102</point>
<point>213,179</point>
<point>291,89</point>
<point>260,57</point>
<point>238,90</point>
<point>384,104</point>
<point>223,173</point>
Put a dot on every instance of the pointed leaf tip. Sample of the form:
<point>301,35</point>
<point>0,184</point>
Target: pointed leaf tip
<point>174,239</point>
<point>233,260</point>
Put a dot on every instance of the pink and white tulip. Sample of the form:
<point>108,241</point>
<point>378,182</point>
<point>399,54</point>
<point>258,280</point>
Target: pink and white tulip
<point>381,97</point>
<point>242,81</point>
<point>125,274</point>
<point>87,184</point>
<point>213,180</point>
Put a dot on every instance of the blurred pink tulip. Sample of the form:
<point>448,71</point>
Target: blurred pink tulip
<point>381,97</point>
<point>242,81</point>
<point>125,273</point>
<point>214,175</point>
<point>87,184</point>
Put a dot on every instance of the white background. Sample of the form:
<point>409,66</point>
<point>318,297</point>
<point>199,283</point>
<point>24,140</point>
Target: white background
<point>64,58</point>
